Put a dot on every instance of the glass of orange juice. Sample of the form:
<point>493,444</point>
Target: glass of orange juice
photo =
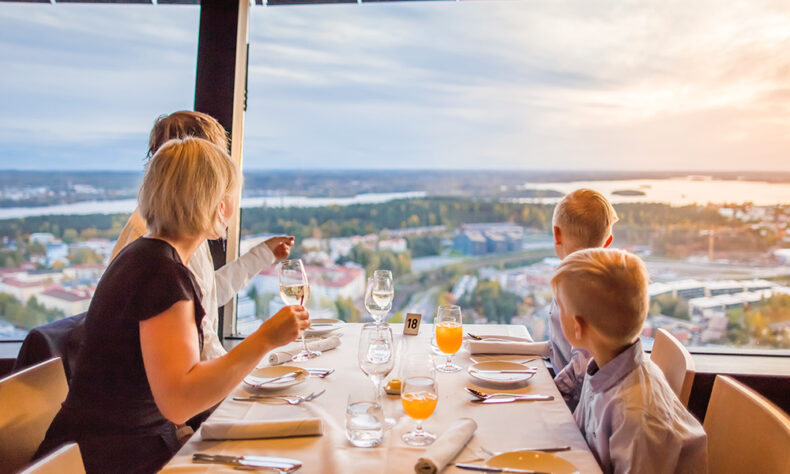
<point>449,334</point>
<point>419,395</point>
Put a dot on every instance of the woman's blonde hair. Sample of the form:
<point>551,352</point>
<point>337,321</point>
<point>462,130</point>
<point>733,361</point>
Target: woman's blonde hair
<point>184,183</point>
<point>186,123</point>
<point>608,288</point>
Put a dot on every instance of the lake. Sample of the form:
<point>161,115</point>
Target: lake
<point>676,191</point>
<point>128,205</point>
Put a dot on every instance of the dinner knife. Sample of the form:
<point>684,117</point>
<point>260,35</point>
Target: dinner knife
<point>263,381</point>
<point>282,464</point>
<point>477,467</point>
<point>523,398</point>
<point>530,370</point>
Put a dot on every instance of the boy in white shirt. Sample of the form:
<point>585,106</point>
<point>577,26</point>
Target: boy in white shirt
<point>582,219</point>
<point>220,286</point>
<point>630,417</point>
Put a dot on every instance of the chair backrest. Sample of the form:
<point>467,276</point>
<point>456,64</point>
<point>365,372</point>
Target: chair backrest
<point>62,338</point>
<point>675,362</point>
<point>746,432</point>
<point>64,460</point>
<point>30,399</point>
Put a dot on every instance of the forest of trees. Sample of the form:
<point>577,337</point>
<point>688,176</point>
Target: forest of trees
<point>675,232</point>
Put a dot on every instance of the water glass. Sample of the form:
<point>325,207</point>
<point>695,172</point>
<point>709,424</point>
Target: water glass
<point>364,419</point>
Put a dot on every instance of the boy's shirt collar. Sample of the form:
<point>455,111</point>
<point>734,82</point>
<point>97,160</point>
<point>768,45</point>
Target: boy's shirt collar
<point>604,378</point>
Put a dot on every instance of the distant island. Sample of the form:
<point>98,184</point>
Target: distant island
<point>629,192</point>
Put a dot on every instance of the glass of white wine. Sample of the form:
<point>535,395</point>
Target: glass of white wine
<point>294,289</point>
<point>378,296</point>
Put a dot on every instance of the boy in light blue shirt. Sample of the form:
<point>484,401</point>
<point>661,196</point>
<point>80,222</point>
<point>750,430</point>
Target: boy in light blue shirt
<point>582,219</point>
<point>630,417</point>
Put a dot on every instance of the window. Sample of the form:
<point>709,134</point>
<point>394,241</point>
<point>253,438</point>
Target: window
<point>81,87</point>
<point>677,114</point>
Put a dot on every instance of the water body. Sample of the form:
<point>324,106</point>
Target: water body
<point>676,191</point>
<point>128,205</point>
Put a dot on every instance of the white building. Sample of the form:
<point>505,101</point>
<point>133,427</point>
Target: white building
<point>21,290</point>
<point>330,282</point>
<point>70,302</point>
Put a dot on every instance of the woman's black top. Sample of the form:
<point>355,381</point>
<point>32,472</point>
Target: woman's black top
<point>110,410</point>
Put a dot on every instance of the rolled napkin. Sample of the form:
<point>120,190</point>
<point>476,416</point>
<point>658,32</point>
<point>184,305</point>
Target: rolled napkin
<point>446,447</point>
<point>502,347</point>
<point>260,429</point>
<point>284,355</point>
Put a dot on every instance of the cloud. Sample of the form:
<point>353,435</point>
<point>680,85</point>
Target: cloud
<point>638,84</point>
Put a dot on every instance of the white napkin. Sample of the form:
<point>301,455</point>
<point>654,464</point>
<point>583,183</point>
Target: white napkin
<point>446,447</point>
<point>284,355</point>
<point>502,347</point>
<point>260,429</point>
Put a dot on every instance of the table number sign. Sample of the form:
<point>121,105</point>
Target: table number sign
<point>411,326</point>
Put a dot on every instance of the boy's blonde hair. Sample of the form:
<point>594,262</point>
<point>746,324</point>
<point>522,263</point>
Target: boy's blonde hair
<point>186,123</point>
<point>608,288</point>
<point>586,217</point>
<point>183,185</point>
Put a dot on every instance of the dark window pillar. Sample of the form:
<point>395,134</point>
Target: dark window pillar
<point>220,91</point>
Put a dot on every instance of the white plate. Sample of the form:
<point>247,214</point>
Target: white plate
<point>502,379</point>
<point>321,326</point>
<point>259,373</point>
<point>533,460</point>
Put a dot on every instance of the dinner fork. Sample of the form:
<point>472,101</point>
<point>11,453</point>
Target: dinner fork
<point>485,396</point>
<point>289,399</point>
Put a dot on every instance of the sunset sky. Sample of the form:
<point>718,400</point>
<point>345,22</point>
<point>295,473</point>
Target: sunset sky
<point>602,85</point>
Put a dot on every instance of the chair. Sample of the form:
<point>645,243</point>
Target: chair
<point>746,432</point>
<point>675,362</point>
<point>65,460</point>
<point>62,338</point>
<point>30,399</point>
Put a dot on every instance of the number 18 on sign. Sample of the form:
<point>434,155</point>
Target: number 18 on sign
<point>411,325</point>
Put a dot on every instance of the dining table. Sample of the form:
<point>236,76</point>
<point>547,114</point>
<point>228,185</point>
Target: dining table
<point>500,427</point>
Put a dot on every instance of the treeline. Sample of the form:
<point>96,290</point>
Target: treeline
<point>27,315</point>
<point>359,219</point>
<point>669,230</point>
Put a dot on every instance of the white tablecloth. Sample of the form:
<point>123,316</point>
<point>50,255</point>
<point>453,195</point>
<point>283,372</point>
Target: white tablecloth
<point>500,427</point>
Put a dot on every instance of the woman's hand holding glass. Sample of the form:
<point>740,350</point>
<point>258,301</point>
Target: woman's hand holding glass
<point>294,290</point>
<point>449,334</point>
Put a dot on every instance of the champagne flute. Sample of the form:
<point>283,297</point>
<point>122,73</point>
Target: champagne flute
<point>449,334</point>
<point>378,297</point>
<point>419,396</point>
<point>294,289</point>
<point>376,356</point>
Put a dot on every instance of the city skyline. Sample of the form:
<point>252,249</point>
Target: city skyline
<point>478,85</point>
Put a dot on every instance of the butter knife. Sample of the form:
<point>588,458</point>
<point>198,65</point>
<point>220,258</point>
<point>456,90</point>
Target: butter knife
<point>522,398</point>
<point>477,467</point>
<point>282,464</point>
<point>256,381</point>
<point>530,370</point>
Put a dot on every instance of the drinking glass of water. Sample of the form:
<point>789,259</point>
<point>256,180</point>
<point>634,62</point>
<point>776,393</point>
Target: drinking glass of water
<point>364,418</point>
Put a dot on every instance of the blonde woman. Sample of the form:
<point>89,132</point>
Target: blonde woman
<point>220,286</point>
<point>139,372</point>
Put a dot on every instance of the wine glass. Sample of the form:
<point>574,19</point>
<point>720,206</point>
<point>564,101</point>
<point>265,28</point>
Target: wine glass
<point>376,356</point>
<point>449,334</point>
<point>294,289</point>
<point>419,395</point>
<point>378,297</point>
